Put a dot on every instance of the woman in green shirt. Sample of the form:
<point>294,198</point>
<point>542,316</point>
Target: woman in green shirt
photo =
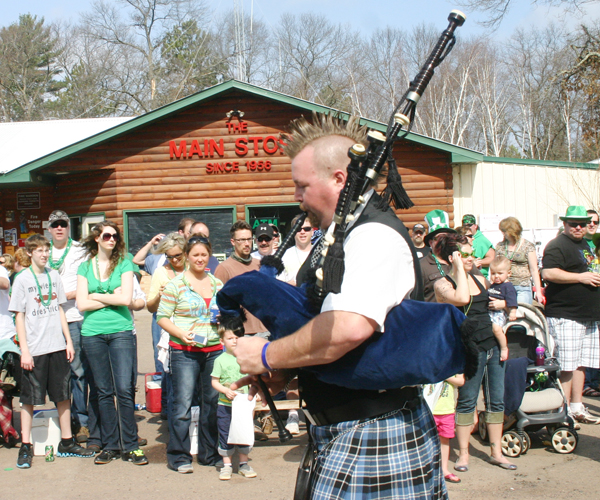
<point>104,293</point>
<point>188,312</point>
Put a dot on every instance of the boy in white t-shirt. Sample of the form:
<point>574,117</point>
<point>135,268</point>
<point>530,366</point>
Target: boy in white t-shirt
<point>46,348</point>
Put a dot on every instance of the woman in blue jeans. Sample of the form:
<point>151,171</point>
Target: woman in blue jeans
<point>104,292</point>
<point>469,293</point>
<point>187,311</point>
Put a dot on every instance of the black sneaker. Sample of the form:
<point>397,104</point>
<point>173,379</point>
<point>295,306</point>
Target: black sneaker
<point>107,456</point>
<point>25,456</point>
<point>135,456</point>
<point>73,450</point>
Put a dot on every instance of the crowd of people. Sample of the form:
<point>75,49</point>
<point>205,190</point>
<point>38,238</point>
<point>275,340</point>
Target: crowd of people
<point>73,305</point>
<point>453,268</point>
<point>73,320</point>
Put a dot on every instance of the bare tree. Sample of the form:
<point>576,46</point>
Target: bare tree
<point>497,9</point>
<point>138,29</point>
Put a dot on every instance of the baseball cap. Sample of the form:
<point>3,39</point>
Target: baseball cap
<point>57,215</point>
<point>469,219</point>
<point>264,230</point>
<point>419,227</point>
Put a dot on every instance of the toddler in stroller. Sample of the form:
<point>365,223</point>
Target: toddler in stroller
<point>533,395</point>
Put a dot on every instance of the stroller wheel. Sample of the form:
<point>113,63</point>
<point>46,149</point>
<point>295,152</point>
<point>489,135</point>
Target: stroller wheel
<point>564,440</point>
<point>481,426</point>
<point>526,443</point>
<point>512,444</point>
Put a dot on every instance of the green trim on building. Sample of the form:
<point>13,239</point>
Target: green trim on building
<point>541,163</point>
<point>24,174</point>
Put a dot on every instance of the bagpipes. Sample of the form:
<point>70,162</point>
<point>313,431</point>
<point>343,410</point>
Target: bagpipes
<point>421,342</point>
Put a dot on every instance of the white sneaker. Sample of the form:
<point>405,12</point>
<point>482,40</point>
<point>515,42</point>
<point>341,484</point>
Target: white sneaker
<point>585,417</point>
<point>293,423</point>
<point>576,425</point>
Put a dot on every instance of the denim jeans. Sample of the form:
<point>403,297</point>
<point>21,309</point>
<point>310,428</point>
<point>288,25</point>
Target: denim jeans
<point>190,374</point>
<point>491,372</point>
<point>79,384</point>
<point>524,294</point>
<point>111,357</point>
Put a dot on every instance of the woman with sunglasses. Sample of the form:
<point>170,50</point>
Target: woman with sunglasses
<point>104,293</point>
<point>171,246</point>
<point>187,311</point>
<point>469,293</point>
<point>523,261</point>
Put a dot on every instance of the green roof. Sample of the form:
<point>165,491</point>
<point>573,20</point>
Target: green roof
<point>23,174</point>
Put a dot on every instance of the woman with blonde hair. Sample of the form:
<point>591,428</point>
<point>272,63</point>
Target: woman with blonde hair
<point>104,293</point>
<point>187,311</point>
<point>523,261</point>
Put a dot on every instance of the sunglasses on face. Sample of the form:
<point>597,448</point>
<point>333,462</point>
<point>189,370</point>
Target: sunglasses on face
<point>198,239</point>
<point>593,223</point>
<point>306,229</point>
<point>262,239</point>
<point>59,223</point>
<point>578,224</point>
<point>171,257</point>
<point>419,232</point>
<point>465,255</point>
<point>108,236</point>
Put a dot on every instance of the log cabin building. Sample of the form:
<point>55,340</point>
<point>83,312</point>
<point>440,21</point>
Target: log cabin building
<point>215,156</point>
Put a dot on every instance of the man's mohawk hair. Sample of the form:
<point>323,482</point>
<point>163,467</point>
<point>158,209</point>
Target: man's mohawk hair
<point>303,132</point>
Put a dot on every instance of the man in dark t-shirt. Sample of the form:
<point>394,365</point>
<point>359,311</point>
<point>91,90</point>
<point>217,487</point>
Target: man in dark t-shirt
<point>572,308</point>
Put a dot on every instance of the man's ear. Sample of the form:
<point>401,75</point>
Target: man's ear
<point>339,177</point>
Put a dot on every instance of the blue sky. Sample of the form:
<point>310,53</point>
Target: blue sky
<point>363,15</point>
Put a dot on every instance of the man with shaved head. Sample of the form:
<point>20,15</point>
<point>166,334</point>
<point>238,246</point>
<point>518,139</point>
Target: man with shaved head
<point>370,443</point>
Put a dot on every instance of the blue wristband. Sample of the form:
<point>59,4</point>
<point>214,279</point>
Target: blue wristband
<point>264,356</point>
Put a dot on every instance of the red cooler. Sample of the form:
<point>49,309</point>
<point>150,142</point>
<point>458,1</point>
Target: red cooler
<point>153,393</point>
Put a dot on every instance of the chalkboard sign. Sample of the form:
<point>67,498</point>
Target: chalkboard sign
<point>142,226</point>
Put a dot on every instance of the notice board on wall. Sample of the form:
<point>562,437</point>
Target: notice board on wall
<point>142,226</point>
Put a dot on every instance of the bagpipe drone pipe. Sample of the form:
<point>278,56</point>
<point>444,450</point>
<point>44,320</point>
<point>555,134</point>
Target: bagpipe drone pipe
<point>420,342</point>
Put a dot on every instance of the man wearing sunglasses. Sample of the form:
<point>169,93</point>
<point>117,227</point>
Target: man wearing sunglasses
<point>264,235</point>
<point>484,250</point>
<point>592,227</point>
<point>572,298</point>
<point>65,256</point>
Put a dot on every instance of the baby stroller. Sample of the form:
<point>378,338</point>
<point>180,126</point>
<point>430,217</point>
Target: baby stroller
<point>543,402</point>
<point>10,384</point>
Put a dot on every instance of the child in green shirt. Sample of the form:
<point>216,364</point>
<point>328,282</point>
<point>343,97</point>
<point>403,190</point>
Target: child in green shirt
<point>226,371</point>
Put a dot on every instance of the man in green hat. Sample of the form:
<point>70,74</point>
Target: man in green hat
<point>433,267</point>
<point>572,298</point>
<point>483,248</point>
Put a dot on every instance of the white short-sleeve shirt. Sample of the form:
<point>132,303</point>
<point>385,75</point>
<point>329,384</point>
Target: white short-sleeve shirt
<point>378,274</point>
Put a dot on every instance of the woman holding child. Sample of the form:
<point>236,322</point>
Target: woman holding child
<point>187,311</point>
<point>523,258</point>
<point>104,293</point>
<point>469,293</point>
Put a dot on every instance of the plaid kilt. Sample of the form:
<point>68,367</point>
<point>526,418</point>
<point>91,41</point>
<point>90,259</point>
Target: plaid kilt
<point>395,456</point>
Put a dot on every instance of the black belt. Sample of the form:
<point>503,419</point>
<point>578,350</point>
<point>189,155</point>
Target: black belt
<point>366,408</point>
